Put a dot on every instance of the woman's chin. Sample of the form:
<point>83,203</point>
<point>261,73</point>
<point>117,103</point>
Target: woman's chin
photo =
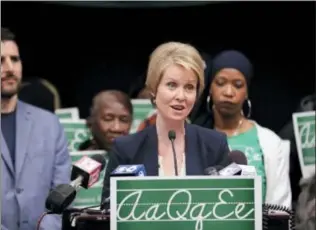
<point>177,118</point>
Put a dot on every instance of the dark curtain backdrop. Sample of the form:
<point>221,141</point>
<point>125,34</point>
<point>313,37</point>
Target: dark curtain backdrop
<point>84,50</point>
<point>138,4</point>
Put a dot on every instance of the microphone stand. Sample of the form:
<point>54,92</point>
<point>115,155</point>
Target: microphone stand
<point>172,137</point>
<point>175,160</point>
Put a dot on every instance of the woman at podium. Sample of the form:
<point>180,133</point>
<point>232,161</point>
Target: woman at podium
<point>175,77</point>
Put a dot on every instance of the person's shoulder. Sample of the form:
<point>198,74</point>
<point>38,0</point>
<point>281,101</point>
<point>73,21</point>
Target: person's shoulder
<point>266,133</point>
<point>127,146</point>
<point>271,142</point>
<point>212,144</point>
<point>42,119</point>
<point>37,112</point>
<point>207,134</point>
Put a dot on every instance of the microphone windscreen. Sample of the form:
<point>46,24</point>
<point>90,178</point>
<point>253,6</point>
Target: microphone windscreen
<point>60,198</point>
<point>238,157</point>
<point>101,159</point>
<point>171,135</point>
<point>89,169</point>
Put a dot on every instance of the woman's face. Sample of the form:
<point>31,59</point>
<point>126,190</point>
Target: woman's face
<point>176,93</point>
<point>228,91</point>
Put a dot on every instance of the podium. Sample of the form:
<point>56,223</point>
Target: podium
<point>187,203</point>
<point>74,219</point>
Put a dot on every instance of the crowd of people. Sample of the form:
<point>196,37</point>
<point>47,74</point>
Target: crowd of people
<point>205,102</point>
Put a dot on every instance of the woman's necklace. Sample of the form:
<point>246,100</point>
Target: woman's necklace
<point>236,132</point>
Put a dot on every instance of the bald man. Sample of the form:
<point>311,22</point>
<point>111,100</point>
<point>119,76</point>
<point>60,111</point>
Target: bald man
<point>110,116</point>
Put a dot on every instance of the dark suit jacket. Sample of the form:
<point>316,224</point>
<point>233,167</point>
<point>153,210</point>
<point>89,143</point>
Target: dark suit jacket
<point>204,148</point>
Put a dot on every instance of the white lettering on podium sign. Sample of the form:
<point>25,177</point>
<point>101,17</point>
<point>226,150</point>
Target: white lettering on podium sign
<point>187,203</point>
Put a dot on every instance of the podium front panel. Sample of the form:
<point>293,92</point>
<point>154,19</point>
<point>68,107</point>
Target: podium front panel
<point>187,203</point>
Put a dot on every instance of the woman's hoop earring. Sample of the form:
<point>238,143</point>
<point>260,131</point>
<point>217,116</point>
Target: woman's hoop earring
<point>249,108</point>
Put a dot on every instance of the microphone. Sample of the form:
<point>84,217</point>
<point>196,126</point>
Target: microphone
<point>247,170</point>
<point>239,166</point>
<point>213,171</point>
<point>172,137</point>
<point>238,157</point>
<point>231,170</point>
<point>85,173</point>
<point>129,170</point>
<point>60,198</point>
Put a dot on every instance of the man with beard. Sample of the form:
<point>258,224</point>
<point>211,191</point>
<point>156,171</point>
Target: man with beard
<point>33,149</point>
<point>111,116</point>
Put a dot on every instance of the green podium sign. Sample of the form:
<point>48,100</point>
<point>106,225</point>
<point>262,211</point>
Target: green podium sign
<point>187,203</point>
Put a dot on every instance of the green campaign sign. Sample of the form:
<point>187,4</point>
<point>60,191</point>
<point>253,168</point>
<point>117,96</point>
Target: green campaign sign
<point>76,133</point>
<point>92,196</point>
<point>68,113</point>
<point>142,109</point>
<point>305,135</point>
<point>187,203</point>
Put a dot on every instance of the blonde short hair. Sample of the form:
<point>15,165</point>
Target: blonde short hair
<point>172,53</point>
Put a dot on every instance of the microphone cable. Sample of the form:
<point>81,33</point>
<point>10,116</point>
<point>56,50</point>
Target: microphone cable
<point>41,218</point>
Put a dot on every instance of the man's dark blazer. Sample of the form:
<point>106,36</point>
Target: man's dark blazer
<point>203,148</point>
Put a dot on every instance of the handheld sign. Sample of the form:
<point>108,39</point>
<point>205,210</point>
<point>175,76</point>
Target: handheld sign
<point>142,109</point>
<point>187,203</point>
<point>76,133</point>
<point>304,124</point>
<point>68,113</point>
